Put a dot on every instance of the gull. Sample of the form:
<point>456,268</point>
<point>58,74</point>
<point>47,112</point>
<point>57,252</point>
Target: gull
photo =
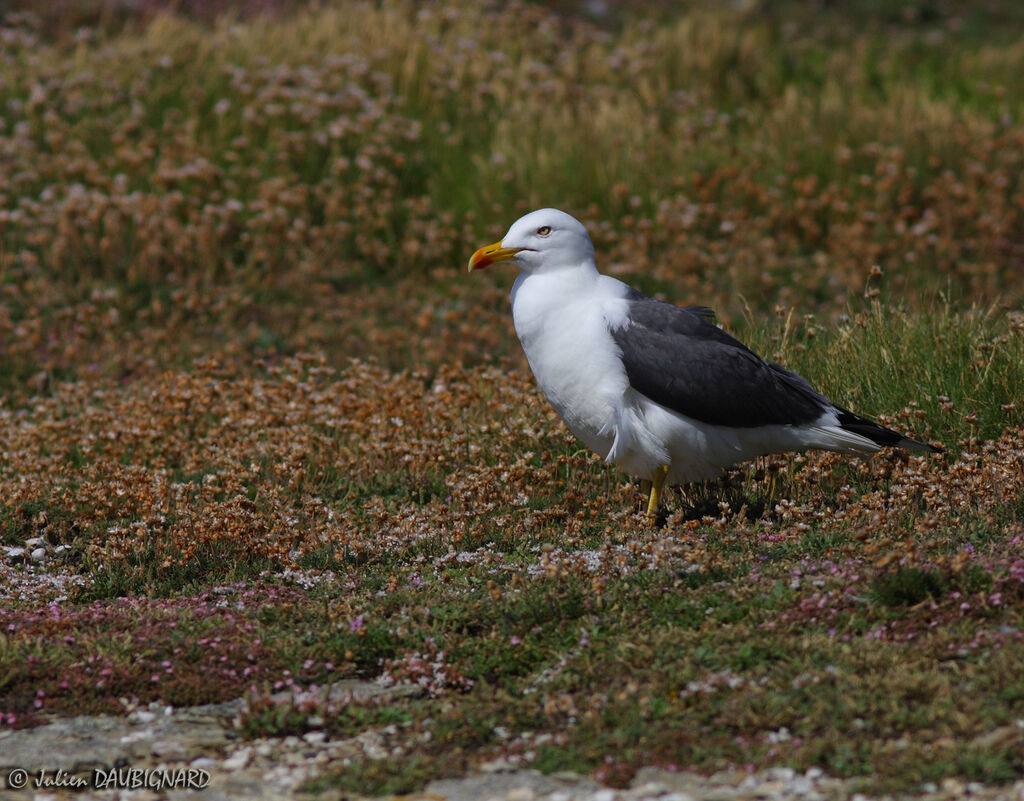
<point>658,390</point>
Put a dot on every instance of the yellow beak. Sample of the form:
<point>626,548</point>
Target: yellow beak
<point>491,254</point>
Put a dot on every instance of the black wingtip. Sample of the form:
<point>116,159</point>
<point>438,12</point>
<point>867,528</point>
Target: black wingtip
<point>909,444</point>
<point>881,435</point>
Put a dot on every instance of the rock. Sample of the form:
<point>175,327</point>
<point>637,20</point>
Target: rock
<point>478,787</point>
<point>649,790</point>
<point>373,745</point>
<point>104,740</point>
<point>780,774</point>
<point>172,749</point>
<point>678,784</point>
<point>773,788</point>
<point>495,765</point>
<point>237,760</point>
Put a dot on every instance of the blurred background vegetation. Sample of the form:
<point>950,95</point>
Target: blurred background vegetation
<point>253,179</point>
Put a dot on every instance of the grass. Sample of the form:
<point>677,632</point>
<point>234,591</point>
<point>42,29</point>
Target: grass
<point>269,434</point>
<point>940,366</point>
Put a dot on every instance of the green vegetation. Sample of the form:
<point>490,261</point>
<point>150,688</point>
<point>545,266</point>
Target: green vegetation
<point>268,434</point>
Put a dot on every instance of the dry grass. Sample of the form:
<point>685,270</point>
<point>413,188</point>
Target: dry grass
<point>263,432</point>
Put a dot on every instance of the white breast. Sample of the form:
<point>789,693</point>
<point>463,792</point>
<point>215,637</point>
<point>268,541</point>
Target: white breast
<point>562,324</point>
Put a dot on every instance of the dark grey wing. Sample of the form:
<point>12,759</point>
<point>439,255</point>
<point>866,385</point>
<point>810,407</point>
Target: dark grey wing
<point>679,358</point>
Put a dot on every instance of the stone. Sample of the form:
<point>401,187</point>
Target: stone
<point>477,787</point>
<point>649,790</point>
<point>237,760</point>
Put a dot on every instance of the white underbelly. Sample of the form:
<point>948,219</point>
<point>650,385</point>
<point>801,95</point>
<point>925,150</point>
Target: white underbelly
<point>698,451</point>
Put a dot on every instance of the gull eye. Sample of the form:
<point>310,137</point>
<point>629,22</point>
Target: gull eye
<point>544,230</point>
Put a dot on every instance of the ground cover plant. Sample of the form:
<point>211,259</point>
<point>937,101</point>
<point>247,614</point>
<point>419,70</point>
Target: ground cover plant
<point>258,431</point>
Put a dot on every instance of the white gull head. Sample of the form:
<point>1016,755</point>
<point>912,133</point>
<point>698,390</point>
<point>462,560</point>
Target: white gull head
<point>543,241</point>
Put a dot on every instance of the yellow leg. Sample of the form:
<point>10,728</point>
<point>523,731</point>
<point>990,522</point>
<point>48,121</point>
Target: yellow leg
<point>657,482</point>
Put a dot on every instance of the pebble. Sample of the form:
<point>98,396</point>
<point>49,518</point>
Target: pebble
<point>372,745</point>
<point>650,790</point>
<point>495,765</point>
<point>169,749</point>
<point>237,760</point>
<point>773,788</point>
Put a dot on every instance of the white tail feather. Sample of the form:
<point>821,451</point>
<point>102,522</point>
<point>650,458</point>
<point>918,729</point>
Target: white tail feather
<point>834,438</point>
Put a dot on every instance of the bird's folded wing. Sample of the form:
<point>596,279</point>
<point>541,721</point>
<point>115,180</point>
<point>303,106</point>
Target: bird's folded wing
<point>677,357</point>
